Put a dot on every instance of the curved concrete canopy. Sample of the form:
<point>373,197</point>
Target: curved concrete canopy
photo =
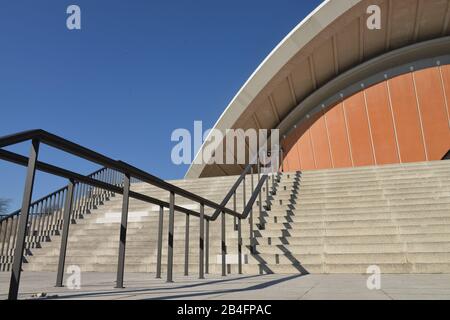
<point>328,42</point>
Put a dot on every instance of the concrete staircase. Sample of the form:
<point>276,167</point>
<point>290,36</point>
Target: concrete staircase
<point>327,221</point>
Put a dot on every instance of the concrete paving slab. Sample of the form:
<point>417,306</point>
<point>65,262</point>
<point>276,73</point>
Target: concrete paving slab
<point>143,286</point>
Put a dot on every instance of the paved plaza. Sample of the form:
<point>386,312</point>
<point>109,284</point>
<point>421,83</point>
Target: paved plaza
<point>143,286</point>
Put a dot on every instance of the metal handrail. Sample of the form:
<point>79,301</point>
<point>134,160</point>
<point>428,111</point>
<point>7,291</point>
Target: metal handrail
<point>45,167</point>
<point>129,172</point>
<point>17,212</point>
<point>232,190</point>
<point>93,156</point>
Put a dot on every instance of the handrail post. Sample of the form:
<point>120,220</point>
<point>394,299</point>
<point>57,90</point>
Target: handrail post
<point>239,246</point>
<point>170,237</point>
<point>224,248</point>
<point>239,236</point>
<point>207,248</point>
<point>68,205</point>
<point>244,192</point>
<point>186,247</point>
<point>14,231</point>
<point>3,229</point>
<point>23,222</point>
<point>260,198</point>
<point>8,236</point>
<point>267,193</point>
<point>201,274</point>
<point>250,220</point>
<point>282,159</point>
<point>273,183</point>
<point>234,209</point>
<point>123,231</point>
<point>160,238</point>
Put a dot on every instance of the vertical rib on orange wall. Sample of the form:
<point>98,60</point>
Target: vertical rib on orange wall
<point>404,105</point>
<point>433,112</point>
<point>358,127</point>
<point>306,152</point>
<point>381,124</point>
<point>394,121</point>
<point>320,144</point>
<point>445,70</point>
<point>340,148</point>
<point>290,157</point>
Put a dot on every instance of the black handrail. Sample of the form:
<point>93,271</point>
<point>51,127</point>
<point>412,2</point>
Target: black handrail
<point>129,172</point>
<point>45,167</point>
<point>17,212</point>
<point>85,153</point>
<point>232,191</point>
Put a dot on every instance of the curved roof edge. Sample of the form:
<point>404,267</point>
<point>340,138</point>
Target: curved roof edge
<point>302,34</point>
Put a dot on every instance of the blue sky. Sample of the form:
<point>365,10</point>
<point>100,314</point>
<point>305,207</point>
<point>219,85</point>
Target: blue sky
<point>136,71</point>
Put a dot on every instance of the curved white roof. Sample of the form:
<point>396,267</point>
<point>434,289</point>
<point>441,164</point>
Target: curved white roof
<point>318,49</point>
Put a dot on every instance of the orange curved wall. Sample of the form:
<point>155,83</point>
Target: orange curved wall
<point>403,119</point>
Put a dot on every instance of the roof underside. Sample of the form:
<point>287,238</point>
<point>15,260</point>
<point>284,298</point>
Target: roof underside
<point>329,42</point>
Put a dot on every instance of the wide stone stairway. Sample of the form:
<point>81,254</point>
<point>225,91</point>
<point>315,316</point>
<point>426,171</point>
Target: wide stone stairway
<point>396,217</point>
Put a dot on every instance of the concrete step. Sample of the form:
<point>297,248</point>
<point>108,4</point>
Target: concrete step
<point>305,225</point>
<point>354,258</point>
<point>354,239</point>
<point>340,216</point>
<point>363,191</point>
<point>332,198</point>
<point>397,209</point>
<point>413,166</point>
<point>354,187</point>
<point>423,247</point>
<point>386,174</point>
<point>372,204</point>
<point>399,183</point>
<point>357,231</point>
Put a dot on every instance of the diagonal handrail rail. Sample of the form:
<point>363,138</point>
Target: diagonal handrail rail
<point>17,212</point>
<point>233,189</point>
<point>129,172</point>
<point>82,152</point>
<point>45,167</point>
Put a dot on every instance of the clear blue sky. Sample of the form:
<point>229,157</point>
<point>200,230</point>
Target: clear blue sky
<point>136,71</point>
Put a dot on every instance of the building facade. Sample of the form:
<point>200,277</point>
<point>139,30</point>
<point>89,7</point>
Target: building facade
<point>343,94</point>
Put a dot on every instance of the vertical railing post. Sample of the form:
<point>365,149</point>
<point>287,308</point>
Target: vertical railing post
<point>32,223</point>
<point>14,231</point>
<point>62,196</point>
<point>223,246</point>
<point>65,232</point>
<point>51,221</point>
<point>244,193</point>
<point>186,247</point>
<point>260,197</point>
<point>3,229</point>
<point>170,237</point>
<point>239,246</point>
<point>273,183</point>
<point>23,222</point>
<point>201,274</point>
<point>123,231</point>
<point>207,248</point>
<point>234,209</point>
<point>160,239</point>
<point>9,242</point>
<point>251,217</point>
<point>282,159</point>
<point>239,235</point>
